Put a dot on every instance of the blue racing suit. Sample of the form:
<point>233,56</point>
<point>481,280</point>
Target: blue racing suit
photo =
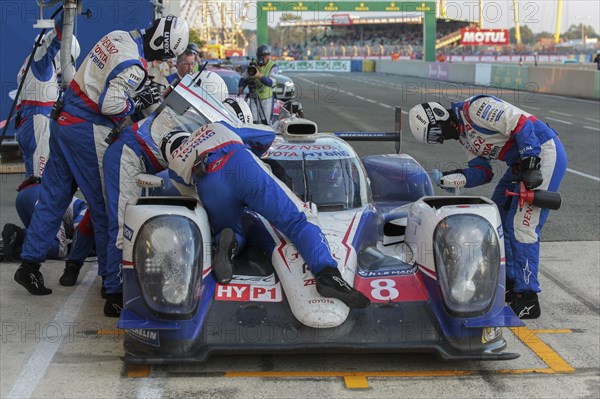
<point>98,99</point>
<point>493,129</point>
<point>235,178</point>
<point>76,225</point>
<point>39,91</point>
<point>135,152</point>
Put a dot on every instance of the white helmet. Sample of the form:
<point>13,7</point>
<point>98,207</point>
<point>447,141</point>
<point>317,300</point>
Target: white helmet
<point>214,84</point>
<point>425,122</point>
<point>170,142</point>
<point>167,38</point>
<point>240,108</point>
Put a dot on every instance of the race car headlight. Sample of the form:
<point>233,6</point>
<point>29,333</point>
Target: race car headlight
<point>467,259</point>
<point>167,255</point>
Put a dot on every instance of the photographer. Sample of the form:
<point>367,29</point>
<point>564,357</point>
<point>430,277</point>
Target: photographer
<point>260,77</point>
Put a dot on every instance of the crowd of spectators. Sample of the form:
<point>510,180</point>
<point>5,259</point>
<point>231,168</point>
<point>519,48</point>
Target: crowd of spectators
<point>403,39</point>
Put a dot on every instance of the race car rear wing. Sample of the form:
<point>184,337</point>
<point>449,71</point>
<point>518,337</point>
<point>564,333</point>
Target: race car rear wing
<point>395,136</point>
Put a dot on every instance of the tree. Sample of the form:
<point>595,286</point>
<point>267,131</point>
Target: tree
<point>544,35</point>
<point>574,32</point>
<point>527,36</point>
<point>195,38</point>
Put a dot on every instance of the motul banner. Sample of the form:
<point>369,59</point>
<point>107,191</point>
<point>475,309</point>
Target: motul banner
<point>483,37</point>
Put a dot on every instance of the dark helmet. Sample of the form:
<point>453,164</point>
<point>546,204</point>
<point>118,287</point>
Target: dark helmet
<point>263,50</point>
<point>193,47</point>
<point>167,38</point>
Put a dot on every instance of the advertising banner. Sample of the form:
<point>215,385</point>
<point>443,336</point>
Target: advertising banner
<point>484,37</point>
<point>314,66</point>
<point>438,71</point>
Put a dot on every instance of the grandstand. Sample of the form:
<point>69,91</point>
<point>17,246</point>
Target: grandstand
<point>355,36</point>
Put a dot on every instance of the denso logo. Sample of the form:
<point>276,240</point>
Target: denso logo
<point>110,47</point>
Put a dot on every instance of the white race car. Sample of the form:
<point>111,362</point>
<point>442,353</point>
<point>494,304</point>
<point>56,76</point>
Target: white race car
<point>432,266</point>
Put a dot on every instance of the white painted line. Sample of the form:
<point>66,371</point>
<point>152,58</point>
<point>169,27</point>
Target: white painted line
<point>359,97</point>
<point>592,120</point>
<point>575,172</point>
<point>404,112</point>
<point>560,113</point>
<point>385,105</point>
<point>592,128</point>
<point>533,108</point>
<point>559,120</point>
<point>371,101</point>
<point>43,353</point>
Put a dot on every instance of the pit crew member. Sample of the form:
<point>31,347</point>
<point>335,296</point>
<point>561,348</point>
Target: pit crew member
<point>108,87</point>
<point>39,91</point>
<point>136,151</point>
<point>216,161</point>
<point>489,128</point>
<point>76,227</point>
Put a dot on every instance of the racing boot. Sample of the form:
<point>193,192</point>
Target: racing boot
<point>113,305</point>
<point>29,276</point>
<point>103,289</point>
<point>526,305</point>
<point>223,260</point>
<point>330,284</point>
<point>69,277</point>
<point>13,237</point>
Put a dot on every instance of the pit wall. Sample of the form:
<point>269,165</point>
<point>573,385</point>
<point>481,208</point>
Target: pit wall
<point>581,83</point>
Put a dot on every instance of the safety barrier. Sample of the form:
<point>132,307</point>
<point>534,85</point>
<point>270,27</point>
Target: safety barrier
<point>582,83</point>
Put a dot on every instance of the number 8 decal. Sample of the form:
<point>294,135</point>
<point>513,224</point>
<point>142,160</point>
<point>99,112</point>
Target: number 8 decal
<point>383,289</point>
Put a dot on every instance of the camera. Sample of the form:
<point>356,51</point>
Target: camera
<point>251,84</point>
<point>252,68</point>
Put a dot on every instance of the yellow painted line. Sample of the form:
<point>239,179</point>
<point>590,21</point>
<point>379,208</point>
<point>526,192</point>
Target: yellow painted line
<point>138,370</point>
<point>544,352</point>
<point>527,371</point>
<point>559,331</point>
<point>111,332</point>
<point>356,382</point>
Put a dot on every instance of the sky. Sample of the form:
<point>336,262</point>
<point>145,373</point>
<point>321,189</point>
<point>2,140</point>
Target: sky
<point>539,15</point>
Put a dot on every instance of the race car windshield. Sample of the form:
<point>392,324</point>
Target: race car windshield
<point>332,185</point>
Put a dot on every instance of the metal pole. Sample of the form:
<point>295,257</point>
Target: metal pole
<point>66,66</point>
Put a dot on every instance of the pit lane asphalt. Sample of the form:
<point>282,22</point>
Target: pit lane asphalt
<point>61,346</point>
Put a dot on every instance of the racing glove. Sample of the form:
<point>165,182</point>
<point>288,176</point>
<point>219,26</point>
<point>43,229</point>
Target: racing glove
<point>148,96</point>
<point>449,180</point>
<point>531,175</point>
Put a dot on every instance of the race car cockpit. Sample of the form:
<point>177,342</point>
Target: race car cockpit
<point>333,185</point>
